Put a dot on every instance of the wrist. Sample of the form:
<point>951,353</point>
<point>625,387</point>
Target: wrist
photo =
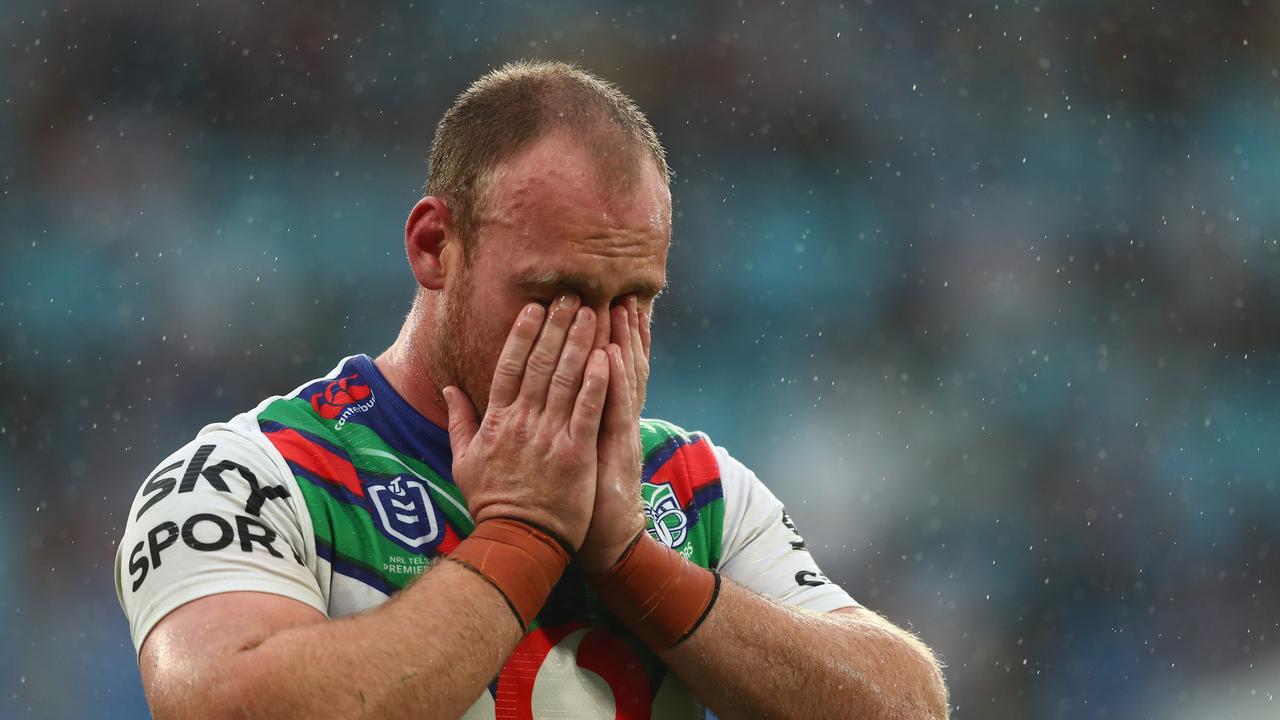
<point>657,593</point>
<point>569,538</point>
<point>597,556</point>
<point>522,560</point>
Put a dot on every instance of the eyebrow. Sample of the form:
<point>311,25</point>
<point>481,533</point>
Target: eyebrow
<point>554,280</point>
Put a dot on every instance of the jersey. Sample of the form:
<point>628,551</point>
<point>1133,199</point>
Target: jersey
<point>339,494</point>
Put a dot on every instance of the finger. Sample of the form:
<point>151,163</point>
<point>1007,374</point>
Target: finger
<point>546,351</point>
<point>617,407</point>
<point>585,423</point>
<point>462,420</point>
<point>639,360</point>
<point>646,338</point>
<point>639,354</point>
<point>567,378</point>
<point>620,335</point>
<point>511,362</point>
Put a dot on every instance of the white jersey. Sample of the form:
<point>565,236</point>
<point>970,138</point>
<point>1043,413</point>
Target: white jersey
<point>339,494</point>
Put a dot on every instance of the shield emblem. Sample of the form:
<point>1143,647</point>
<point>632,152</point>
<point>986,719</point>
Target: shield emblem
<point>667,522</point>
<point>405,511</point>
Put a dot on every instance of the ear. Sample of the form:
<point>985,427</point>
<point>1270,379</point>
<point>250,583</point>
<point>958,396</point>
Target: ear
<point>430,242</point>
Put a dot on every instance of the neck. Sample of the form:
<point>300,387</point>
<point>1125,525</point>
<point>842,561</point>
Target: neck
<point>405,367</point>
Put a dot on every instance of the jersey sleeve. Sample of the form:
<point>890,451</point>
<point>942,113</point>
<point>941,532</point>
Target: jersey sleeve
<point>216,516</point>
<point>762,548</point>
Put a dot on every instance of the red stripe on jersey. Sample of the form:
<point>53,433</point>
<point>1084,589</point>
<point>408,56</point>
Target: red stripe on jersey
<point>514,697</point>
<point>612,659</point>
<point>297,449</point>
<point>689,469</point>
<point>450,541</point>
<point>598,652</point>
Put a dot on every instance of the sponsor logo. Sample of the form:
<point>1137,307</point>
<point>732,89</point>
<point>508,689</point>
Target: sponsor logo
<point>341,399</point>
<point>405,511</point>
<point>797,543</point>
<point>809,578</point>
<point>157,488</point>
<point>576,670</point>
<point>667,523</point>
<point>205,532</point>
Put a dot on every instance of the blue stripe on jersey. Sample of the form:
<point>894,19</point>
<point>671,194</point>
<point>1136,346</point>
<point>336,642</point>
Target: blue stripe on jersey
<point>660,455</point>
<point>344,566</point>
<point>401,426</point>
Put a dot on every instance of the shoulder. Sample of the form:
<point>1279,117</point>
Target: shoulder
<point>227,470</point>
<point>690,458</point>
<point>655,433</point>
<point>221,513</point>
<point>700,471</point>
<point>663,442</point>
<point>670,449</point>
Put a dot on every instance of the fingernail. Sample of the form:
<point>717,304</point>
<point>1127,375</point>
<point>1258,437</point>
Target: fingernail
<point>531,310</point>
<point>565,300</point>
<point>584,317</point>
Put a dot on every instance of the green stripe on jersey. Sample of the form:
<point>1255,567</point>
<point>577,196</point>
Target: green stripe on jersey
<point>370,453</point>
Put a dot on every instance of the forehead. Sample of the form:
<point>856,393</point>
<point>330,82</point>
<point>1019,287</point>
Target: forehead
<point>556,198</point>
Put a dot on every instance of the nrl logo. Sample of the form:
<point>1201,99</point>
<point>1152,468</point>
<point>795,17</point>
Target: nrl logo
<point>405,511</point>
<point>667,522</point>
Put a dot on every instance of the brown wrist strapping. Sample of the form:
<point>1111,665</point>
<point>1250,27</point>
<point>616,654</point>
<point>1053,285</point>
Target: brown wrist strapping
<point>522,561</point>
<point>657,593</point>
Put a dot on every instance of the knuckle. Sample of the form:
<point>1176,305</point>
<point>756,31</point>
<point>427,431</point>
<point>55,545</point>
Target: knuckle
<point>568,451</point>
<point>509,367</point>
<point>492,423</point>
<point>592,405</point>
<point>521,427</point>
<point>541,362</point>
<point>564,380</point>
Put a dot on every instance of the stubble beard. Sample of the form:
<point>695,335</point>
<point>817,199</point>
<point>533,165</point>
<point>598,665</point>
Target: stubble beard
<point>455,353</point>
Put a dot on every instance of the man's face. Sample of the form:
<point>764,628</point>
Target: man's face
<point>550,227</point>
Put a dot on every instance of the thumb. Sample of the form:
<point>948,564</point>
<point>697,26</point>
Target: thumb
<point>462,420</point>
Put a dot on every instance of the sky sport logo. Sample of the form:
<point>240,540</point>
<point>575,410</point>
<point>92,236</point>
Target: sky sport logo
<point>667,522</point>
<point>341,399</point>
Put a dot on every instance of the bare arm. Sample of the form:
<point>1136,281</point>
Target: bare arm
<point>254,655</point>
<point>748,656</point>
<point>529,469</point>
<point>753,658</point>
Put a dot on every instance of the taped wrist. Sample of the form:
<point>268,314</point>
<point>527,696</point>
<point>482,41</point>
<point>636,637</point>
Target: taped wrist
<point>657,593</point>
<point>522,561</point>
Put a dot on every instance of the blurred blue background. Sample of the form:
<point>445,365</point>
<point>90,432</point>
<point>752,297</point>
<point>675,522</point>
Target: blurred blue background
<point>989,293</point>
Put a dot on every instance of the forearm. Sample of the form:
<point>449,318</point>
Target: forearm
<point>753,658</point>
<point>431,650</point>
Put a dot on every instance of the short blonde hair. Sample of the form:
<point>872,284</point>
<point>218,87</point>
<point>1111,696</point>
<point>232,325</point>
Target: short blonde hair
<point>506,109</point>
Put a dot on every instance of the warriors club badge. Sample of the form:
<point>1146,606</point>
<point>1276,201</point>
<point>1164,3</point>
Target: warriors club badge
<point>666,522</point>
